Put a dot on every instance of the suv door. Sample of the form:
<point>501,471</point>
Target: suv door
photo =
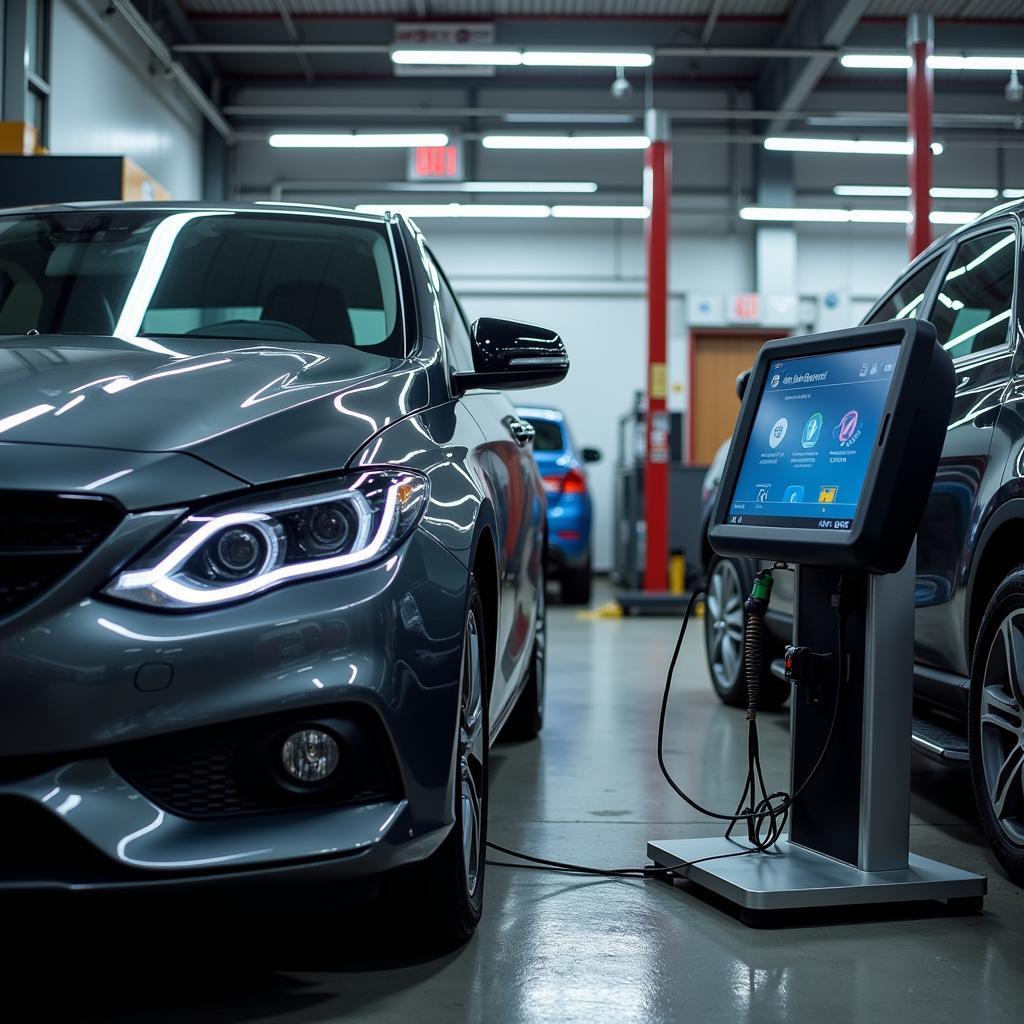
<point>972,313</point>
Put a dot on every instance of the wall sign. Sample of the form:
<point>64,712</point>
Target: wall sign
<point>436,163</point>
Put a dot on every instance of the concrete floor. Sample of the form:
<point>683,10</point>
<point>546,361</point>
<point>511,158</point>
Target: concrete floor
<point>558,948</point>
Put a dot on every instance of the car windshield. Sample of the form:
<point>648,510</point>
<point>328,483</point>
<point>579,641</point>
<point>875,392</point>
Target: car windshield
<point>202,273</point>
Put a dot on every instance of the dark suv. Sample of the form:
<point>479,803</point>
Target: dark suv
<point>969,631</point>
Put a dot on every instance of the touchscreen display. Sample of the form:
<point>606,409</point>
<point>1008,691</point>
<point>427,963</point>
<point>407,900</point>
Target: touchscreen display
<point>813,434</point>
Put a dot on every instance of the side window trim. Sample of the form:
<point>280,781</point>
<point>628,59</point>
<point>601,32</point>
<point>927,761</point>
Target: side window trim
<point>986,228</point>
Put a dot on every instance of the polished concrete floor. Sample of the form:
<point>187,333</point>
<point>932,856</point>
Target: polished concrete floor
<point>557,948</point>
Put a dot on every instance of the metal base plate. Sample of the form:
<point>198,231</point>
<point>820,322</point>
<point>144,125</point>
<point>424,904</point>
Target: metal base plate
<point>793,877</point>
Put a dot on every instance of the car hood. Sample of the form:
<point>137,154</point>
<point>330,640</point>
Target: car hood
<point>259,412</point>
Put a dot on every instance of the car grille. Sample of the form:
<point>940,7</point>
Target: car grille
<point>228,770</point>
<point>43,537</point>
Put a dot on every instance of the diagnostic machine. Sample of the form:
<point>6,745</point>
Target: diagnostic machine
<point>833,457</point>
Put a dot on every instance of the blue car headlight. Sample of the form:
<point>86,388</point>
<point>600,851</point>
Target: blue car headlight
<point>244,547</point>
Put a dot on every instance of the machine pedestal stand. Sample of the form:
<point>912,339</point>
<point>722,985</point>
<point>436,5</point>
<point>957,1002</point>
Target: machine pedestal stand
<point>849,830</point>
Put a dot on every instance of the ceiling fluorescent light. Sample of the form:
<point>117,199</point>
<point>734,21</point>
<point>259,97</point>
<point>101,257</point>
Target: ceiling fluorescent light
<point>952,217</point>
<point>874,191</point>
<point>582,59</point>
<point>903,191</point>
<point>880,147</point>
<point>586,212</point>
<point>1013,193</point>
<point>458,210</point>
<point>351,140</point>
<point>943,192</point>
<point>937,61</point>
<point>457,58</point>
<point>554,117</point>
<point>565,142</point>
<point>876,61</point>
<point>791,214</point>
<point>951,62</point>
<point>550,187</point>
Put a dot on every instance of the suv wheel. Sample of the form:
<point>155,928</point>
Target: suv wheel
<point>996,724</point>
<point>729,583</point>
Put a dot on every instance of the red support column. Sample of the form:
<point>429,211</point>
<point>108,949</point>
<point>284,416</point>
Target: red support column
<point>920,100</point>
<point>658,198</point>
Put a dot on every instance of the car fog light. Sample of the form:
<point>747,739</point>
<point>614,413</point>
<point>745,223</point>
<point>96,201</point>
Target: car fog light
<point>310,755</point>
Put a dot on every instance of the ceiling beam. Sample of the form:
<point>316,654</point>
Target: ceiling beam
<point>709,26</point>
<point>812,23</point>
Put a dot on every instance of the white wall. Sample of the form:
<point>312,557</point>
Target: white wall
<point>104,100</point>
<point>587,281</point>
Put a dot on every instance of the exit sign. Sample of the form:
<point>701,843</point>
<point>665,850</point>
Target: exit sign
<point>436,163</point>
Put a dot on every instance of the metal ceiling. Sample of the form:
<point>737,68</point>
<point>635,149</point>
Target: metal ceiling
<point>496,9</point>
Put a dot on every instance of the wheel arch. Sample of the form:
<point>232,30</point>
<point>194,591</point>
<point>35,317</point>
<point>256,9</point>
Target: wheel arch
<point>999,550</point>
<point>483,563</point>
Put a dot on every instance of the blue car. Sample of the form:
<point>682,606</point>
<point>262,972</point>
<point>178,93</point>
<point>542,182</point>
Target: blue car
<point>569,502</point>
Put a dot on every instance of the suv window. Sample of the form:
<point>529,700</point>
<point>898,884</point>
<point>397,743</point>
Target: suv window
<point>972,311</point>
<point>906,300</point>
<point>460,351</point>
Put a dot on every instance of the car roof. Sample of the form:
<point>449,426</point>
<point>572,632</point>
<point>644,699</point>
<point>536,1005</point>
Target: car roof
<point>268,206</point>
<point>541,412</point>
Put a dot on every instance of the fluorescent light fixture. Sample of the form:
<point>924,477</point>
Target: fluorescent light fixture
<point>587,212</point>
<point>876,61</point>
<point>793,214</point>
<point>459,210</point>
<point>524,58</point>
<point>874,191</point>
<point>555,117</point>
<point>590,142</point>
<point>1013,193</point>
<point>952,217</point>
<point>880,147</point>
<point>937,61</point>
<point>590,59</point>
<point>550,187</point>
<point>943,192</point>
<point>459,58</point>
<point>950,62</point>
<point>903,191</point>
<point>352,140</point>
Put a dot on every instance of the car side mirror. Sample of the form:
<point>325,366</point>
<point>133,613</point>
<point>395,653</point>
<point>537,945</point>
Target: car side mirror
<point>507,354</point>
<point>591,454</point>
<point>741,384</point>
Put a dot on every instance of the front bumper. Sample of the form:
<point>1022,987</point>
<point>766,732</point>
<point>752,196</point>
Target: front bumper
<point>83,680</point>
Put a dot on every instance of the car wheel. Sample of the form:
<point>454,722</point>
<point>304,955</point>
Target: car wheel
<point>442,898</point>
<point>576,585</point>
<point>996,724</point>
<point>729,584</point>
<point>527,718</point>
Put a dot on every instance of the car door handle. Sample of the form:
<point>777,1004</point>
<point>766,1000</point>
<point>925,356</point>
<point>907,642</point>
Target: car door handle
<point>520,430</point>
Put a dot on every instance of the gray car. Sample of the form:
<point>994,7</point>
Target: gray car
<point>272,549</point>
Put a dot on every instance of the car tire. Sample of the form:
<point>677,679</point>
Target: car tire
<point>996,724</point>
<point>729,582</point>
<point>441,899</point>
<point>577,585</point>
<point>527,718</point>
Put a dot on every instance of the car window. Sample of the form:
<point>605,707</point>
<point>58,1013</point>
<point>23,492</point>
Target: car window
<point>200,273</point>
<point>972,311</point>
<point>460,350</point>
<point>547,436</point>
<point>907,300</point>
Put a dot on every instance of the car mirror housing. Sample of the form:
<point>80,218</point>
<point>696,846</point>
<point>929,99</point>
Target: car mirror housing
<point>507,355</point>
<point>591,454</point>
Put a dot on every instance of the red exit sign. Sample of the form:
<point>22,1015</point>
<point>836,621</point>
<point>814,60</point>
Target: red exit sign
<point>436,163</point>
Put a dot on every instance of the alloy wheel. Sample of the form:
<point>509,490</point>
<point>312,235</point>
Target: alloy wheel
<point>724,609</point>
<point>1001,730</point>
<point>472,752</point>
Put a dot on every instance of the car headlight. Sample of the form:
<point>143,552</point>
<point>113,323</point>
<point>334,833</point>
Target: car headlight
<point>244,547</point>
